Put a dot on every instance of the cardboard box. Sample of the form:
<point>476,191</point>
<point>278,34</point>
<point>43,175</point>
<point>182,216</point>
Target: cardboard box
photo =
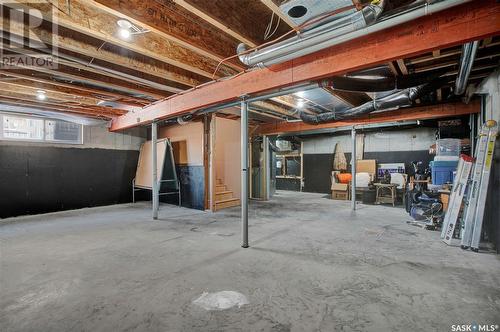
<point>340,191</point>
<point>367,166</point>
<point>340,195</point>
<point>339,186</point>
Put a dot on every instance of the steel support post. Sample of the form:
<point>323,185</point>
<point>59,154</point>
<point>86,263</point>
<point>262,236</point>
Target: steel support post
<point>244,173</point>
<point>154,181</point>
<point>353,169</point>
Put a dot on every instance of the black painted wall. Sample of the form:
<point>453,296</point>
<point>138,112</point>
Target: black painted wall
<point>192,180</point>
<point>318,167</point>
<point>36,179</point>
<point>288,184</point>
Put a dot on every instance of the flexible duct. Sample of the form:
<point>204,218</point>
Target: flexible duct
<point>333,33</point>
<point>380,84</point>
<point>398,99</point>
<point>469,52</point>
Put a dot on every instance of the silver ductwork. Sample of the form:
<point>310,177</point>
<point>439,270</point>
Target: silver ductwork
<point>360,24</point>
<point>469,52</point>
<point>396,100</point>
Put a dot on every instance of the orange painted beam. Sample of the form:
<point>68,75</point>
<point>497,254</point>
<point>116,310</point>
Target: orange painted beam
<point>472,21</point>
<point>405,114</point>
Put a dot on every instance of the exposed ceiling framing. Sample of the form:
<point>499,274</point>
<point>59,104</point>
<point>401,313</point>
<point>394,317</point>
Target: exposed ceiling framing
<point>179,47</point>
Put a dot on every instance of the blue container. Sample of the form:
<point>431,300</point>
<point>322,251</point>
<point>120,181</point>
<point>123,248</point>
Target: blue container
<point>442,171</point>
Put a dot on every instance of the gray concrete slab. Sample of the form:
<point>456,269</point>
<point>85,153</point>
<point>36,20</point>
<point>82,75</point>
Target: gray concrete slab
<point>313,265</point>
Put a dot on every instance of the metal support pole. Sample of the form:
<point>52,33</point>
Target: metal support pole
<point>154,154</point>
<point>244,173</point>
<point>353,169</point>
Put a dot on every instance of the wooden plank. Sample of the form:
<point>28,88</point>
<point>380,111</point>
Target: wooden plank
<point>26,104</point>
<point>174,23</point>
<point>92,21</point>
<point>10,86</point>
<point>215,22</point>
<point>407,114</point>
<point>97,80</point>
<point>44,81</point>
<point>402,66</point>
<point>54,105</point>
<point>471,21</point>
<point>248,18</point>
<point>66,41</point>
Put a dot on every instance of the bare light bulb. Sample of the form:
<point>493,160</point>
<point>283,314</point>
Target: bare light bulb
<point>124,33</point>
<point>41,95</point>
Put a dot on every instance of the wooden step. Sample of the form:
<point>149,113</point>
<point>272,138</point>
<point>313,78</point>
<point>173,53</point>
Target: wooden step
<point>227,203</point>
<point>219,182</point>
<point>220,188</point>
<point>223,195</point>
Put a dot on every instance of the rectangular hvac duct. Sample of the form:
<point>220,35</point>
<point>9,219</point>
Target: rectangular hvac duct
<point>300,11</point>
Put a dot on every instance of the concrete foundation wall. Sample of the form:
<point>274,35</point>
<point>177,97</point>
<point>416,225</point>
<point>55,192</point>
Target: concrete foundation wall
<point>418,139</point>
<point>389,146</point>
<point>40,177</point>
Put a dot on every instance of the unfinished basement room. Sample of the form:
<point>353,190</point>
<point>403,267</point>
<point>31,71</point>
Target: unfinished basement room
<point>249,165</point>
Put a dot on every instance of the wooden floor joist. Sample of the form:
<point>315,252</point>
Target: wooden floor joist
<point>404,114</point>
<point>471,21</point>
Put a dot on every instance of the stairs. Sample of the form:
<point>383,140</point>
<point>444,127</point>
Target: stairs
<point>224,197</point>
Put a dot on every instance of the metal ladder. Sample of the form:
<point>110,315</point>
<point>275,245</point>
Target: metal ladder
<point>459,186</point>
<point>473,221</point>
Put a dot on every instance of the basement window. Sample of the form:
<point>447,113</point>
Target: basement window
<point>35,129</point>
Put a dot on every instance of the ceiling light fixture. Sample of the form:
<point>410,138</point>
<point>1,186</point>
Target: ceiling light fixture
<point>41,95</point>
<point>127,29</point>
<point>300,103</point>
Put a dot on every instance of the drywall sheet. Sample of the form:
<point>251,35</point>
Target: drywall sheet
<point>187,141</point>
<point>228,153</point>
<point>143,175</point>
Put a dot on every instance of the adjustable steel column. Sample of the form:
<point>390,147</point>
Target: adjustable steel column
<point>154,182</point>
<point>244,173</point>
<point>353,169</point>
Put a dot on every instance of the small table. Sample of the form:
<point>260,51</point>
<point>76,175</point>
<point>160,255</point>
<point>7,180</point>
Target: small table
<point>386,193</point>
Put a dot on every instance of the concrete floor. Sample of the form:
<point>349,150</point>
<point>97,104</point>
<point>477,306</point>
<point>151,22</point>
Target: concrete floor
<point>312,266</point>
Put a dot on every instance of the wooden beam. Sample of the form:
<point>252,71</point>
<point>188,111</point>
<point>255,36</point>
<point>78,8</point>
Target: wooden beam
<point>276,10</point>
<point>272,107</point>
<point>100,80</point>
<point>45,82</point>
<point>66,42</point>
<point>92,21</point>
<point>215,22</point>
<point>25,104</point>
<point>402,66</point>
<point>407,114</point>
<point>175,23</point>
<point>21,99</point>
<point>471,21</point>
<point>11,86</point>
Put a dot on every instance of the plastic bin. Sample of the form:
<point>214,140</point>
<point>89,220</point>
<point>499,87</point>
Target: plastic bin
<point>448,147</point>
<point>442,171</point>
